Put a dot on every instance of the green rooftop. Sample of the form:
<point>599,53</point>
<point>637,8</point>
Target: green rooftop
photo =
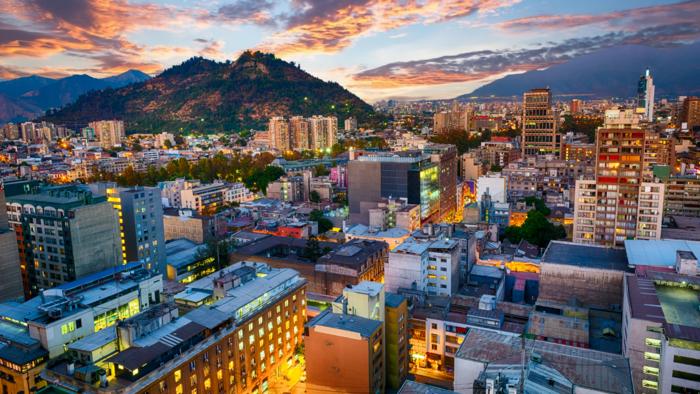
<point>680,305</point>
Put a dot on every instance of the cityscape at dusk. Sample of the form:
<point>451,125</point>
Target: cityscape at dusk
<point>360,197</point>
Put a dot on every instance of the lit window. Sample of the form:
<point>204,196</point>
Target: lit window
<point>177,375</point>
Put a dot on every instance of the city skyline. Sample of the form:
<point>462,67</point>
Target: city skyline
<point>374,48</point>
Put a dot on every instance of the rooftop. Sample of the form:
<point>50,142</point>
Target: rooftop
<point>412,387</point>
<point>180,252</point>
<point>357,324</point>
<point>366,287</point>
<point>658,253</point>
<point>393,300</point>
<point>589,256</point>
<point>605,372</point>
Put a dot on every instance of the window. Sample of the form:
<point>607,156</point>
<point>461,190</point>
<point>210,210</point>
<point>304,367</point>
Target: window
<point>177,375</point>
<point>686,376</point>
<point>686,360</point>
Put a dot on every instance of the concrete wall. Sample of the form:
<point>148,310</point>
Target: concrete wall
<point>11,285</point>
<point>466,372</point>
<point>337,363</point>
<point>592,287</point>
<point>95,237</point>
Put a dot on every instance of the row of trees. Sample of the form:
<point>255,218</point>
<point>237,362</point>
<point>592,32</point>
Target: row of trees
<point>255,171</point>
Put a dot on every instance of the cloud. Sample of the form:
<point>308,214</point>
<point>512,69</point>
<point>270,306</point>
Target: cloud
<point>11,73</point>
<point>488,64</point>
<point>211,48</point>
<point>247,11</point>
<point>626,20</point>
<point>90,29</point>
<point>330,26</point>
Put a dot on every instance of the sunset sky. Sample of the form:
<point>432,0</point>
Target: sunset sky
<point>376,48</point>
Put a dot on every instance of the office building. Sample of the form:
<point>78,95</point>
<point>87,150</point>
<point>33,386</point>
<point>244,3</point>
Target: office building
<point>140,213</point>
<point>64,233</point>
<point>355,363</point>
<point>645,96</point>
<point>244,339</point>
<point>690,113</point>
<point>471,166</point>
<point>11,286</point>
<point>445,156</point>
<point>411,175</point>
<point>540,124</point>
<point>109,133</point>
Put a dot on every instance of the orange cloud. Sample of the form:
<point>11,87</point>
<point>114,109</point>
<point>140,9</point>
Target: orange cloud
<point>91,29</point>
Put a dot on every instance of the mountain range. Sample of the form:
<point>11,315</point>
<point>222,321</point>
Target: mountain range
<point>611,72</point>
<point>27,97</point>
<point>206,95</point>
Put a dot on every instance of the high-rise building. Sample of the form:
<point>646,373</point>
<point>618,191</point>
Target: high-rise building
<point>445,156</point>
<point>627,205</point>
<point>323,130</point>
<point>690,113</point>
<point>141,225</point>
<point>350,124</point>
<point>682,196</point>
<point>108,132</point>
<point>411,175</point>
<point>278,129</point>
<point>64,232</point>
<point>576,106</point>
<point>299,129</point>
<point>645,96</point>
<point>11,286</point>
<point>540,124</point>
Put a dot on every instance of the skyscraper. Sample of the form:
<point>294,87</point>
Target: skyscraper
<point>645,96</point>
<point>65,232</point>
<point>323,130</point>
<point>540,124</point>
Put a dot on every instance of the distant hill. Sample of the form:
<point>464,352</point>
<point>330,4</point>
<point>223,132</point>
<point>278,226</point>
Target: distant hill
<point>611,72</point>
<point>206,95</point>
<point>27,97</point>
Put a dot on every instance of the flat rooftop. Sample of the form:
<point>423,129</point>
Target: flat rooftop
<point>680,305</point>
<point>596,370</point>
<point>658,253</point>
<point>412,387</point>
<point>181,252</point>
<point>357,324</point>
<point>589,256</point>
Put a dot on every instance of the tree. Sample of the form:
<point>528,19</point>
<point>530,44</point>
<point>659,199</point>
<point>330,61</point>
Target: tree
<point>539,205</point>
<point>312,250</point>
<point>581,125</point>
<point>314,196</point>
<point>217,249</point>
<point>323,223</point>
<point>496,168</point>
<point>536,230</point>
<point>136,147</point>
<point>168,144</point>
<point>321,170</point>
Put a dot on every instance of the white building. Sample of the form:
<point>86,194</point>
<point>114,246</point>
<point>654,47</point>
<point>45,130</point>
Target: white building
<point>494,185</point>
<point>238,192</point>
<point>430,266</point>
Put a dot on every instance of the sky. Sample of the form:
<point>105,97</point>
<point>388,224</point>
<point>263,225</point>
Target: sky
<point>378,49</point>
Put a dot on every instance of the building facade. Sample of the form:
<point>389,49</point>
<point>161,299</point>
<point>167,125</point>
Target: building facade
<point>540,124</point>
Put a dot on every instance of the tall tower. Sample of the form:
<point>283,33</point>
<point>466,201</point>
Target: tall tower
<point>279,133</point>
<point>645,96</point>
<point>540,124</point>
